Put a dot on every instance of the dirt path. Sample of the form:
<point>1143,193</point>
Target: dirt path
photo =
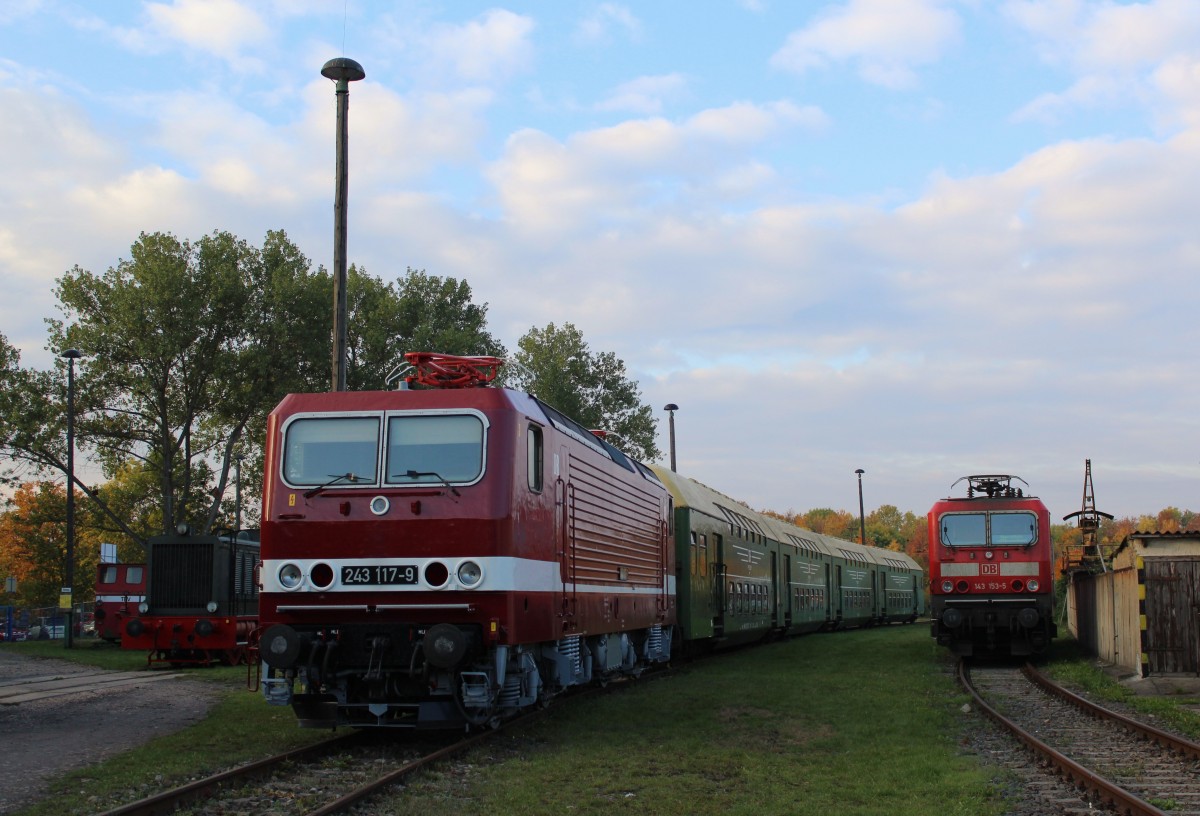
<point>44,737</point>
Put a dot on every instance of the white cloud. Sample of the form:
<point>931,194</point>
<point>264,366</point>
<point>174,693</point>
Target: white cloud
<point>491,48</point>
<point>225,28</point>
<point>887,39</point>
<point>1118,53</point>
<point>633,169</point>
<point>598,26</point>
<point>644,95</point>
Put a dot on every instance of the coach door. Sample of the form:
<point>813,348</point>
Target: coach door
<point>774,598</point>
<point>785,590</point>
<point>877,599</point>
<point>838,592</point>
<point>718,586</point>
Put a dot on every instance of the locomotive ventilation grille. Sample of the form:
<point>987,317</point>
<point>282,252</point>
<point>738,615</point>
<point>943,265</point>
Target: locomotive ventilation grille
<point>569,648</point>
<point>183,575</point>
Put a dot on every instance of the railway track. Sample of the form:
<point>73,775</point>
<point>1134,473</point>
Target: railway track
<point>332,776</point>
<point>1117,763</point>
<point>325,778</point>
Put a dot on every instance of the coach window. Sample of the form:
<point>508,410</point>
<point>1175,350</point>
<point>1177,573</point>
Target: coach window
<point>434,449</point>
<point>964,529</point>
<point>1014,529</point>
<point>533,450</point>
<point>319,449</point>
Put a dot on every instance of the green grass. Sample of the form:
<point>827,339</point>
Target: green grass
<point>852,723</point>
<point>848,724</point>
<point>1071,665</point>
<point>91,652</point>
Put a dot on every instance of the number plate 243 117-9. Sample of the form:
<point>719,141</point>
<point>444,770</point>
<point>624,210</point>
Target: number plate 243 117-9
<point>378,574</point>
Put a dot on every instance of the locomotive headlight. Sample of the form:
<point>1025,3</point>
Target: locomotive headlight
<point>947,586</point>
<point>143,607</point>
<point>290,576</point>
<point>470,574</point>
<point>211,607</point>
<point>1034,586</point>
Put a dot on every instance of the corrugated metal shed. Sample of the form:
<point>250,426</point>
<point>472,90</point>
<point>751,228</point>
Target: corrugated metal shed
<point>1143,614</point>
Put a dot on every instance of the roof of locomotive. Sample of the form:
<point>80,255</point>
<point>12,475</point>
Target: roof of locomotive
<point>693,494</point>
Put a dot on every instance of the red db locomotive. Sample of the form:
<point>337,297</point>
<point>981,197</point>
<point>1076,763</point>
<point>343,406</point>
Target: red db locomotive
<point>446,554</point>
<point>991,570</point>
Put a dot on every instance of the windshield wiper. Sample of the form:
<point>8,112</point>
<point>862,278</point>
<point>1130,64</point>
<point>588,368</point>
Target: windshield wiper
<point>344,477</point>
<point>412,474</point>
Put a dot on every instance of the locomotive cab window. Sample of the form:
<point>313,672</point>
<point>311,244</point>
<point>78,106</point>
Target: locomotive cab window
<point>1012,529</point>
<point>434,449</point>
<point>318,449</point>
<point>534,453</point>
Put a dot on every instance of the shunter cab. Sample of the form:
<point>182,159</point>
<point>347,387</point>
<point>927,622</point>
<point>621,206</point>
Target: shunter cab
<point>991,570</point>
<point>201,599</point>
<point>119,590</point>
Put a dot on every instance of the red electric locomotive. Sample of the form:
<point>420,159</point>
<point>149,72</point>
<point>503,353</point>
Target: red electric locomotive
<point>991,570</point>
<point>119,590</point>
<point>450,553</point>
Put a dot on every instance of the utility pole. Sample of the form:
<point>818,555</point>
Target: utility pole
<point>342,71</point>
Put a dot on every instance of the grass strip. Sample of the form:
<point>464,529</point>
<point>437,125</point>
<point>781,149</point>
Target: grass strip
<point>852,723</point>
<point>1073,666</point>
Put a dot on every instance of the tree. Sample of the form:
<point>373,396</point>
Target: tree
<point>33,541</point>
<point>420,312</point>
<point>590,388</point>
<point>32,418</point>
<point>155,330</point>
<point>827,521</point>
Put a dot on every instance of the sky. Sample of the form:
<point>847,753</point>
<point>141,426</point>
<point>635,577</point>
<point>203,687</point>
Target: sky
<point>921,238</point>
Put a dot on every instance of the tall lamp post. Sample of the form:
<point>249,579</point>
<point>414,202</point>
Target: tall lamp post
<point>237,493</point>
<point>671,408</point>
<point>342,71</point>
<point>71,355</point>
<point>862,520</point>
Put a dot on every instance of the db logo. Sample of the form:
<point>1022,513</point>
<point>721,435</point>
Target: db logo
<point>989,569</point>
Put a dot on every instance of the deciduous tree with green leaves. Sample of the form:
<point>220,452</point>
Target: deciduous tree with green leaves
<point>419,312</point>
<point>185,344</point>
<point>592,389</point>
